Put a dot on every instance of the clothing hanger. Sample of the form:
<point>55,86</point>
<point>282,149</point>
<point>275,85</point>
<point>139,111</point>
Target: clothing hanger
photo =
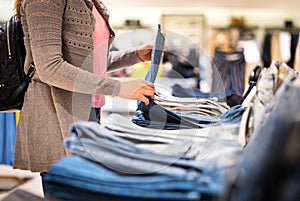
<point>253,78</point>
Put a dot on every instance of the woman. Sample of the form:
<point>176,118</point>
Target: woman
<point>60,36</point>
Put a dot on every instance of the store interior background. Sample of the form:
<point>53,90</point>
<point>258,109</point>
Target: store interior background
<point>261,14</point>
<point>195,20</point>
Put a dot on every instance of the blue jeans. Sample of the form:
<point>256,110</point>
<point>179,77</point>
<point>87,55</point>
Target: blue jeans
<point>231,68</point>
<point>271,162</point>
<point>7,137</point>
<point>155,116</point>
<point>270,80</point>
<point>93,141</point>
<point>180,91</point>
<point>94,178</point>
<point>156,56</point>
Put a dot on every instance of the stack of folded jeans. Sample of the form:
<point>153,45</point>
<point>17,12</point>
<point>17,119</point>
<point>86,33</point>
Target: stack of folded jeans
<point>156,116</point>
<point>106,166</point>
<point>225,96</point>
<point>190,104</point>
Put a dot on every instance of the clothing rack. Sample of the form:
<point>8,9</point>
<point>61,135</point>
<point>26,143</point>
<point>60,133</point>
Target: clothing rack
<point>240,28</point>
<point>293,30</point>
<point>245,32</point>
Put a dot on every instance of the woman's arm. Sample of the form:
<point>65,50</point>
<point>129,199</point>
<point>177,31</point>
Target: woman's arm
<point>44,20</point>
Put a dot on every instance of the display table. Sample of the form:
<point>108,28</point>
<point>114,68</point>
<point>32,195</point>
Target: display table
<point>15,179</point>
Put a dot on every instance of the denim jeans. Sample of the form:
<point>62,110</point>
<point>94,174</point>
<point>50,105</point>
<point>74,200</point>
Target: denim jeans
<point>171,153</point>
<point>180,91</point>
<point>271,162</point>
<point>91,140</point>
<point>92,177</point>
<point>189,104</point>
<point>155,116</point>
<point>270,80</point>
<point>231,67</point>
<point>212,146</point>
<point>230,96</point>
<point>7,137</point>
<point>156,56</point>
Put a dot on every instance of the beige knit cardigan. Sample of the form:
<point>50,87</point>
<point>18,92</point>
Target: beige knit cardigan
<point>58,38</point>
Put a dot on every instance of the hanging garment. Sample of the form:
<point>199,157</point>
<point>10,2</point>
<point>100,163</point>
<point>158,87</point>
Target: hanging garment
<point>275,46</point>
<point>266,54</point>
<point>251,50</point>
<point>271,162</point>
<point>294,42</point>
<point>270,80</point>
<point>7,137</point>
<point>230,67</point>
<point>297,56</point>
<point>285,41</point>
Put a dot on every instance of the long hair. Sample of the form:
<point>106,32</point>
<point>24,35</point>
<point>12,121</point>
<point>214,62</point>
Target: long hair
<point>17,6</point>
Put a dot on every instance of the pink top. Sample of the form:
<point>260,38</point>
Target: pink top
<point>101,36</point>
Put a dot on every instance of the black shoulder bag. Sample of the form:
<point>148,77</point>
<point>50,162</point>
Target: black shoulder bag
<point>13,80</point>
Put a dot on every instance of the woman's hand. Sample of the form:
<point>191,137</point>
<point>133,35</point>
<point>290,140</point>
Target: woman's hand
<point>145,52</point>
<point>137,90</point>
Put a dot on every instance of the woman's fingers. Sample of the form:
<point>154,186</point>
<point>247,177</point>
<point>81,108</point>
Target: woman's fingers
<point>149,93</point>
<point>144,99</point>
<point>137,90</point>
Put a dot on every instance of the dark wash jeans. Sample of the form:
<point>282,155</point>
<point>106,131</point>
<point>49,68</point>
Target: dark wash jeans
<point>231,68</point>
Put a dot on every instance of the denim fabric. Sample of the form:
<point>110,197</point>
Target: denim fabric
<point>186,149</point>
<point>95,114</point>
<point>271,163</point>
<point>213,146</point>
<point>155,116</point>
<point>121,126</point>
<point>230,96</point>
<point>270,80</point>
<point>202,106</point>
<point>63,192</point>
<point>7,137</point>
<point>89,176</point>
<point>180,91</point>
<point>231,68</point>
<point>92,141</point>
<point>156,56</point>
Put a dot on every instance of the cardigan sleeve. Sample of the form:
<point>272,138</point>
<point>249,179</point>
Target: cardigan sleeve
<point>44,20</point>
<point>121,59</point>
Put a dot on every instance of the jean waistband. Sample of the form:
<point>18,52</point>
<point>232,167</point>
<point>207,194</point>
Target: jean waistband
<point>237,56</point>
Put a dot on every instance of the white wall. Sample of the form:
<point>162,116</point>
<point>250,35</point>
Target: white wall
<point>217,12</point>
<point>261,13</point>
<point>6,9</point>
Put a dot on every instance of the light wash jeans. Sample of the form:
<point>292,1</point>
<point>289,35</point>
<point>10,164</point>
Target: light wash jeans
<point>271,162</point>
